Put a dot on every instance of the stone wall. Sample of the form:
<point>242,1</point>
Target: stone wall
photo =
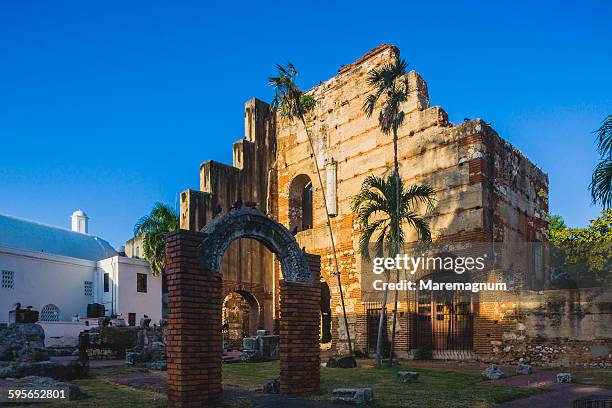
<point>551,328</point>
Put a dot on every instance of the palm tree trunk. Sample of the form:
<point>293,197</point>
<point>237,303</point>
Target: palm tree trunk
<point>380,323</point>
<point>397,234</point>
<point>331,236</point>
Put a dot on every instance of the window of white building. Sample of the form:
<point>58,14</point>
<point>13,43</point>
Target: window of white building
<point>88,288</point>
<point>8,279</point>
<point>50,313</point>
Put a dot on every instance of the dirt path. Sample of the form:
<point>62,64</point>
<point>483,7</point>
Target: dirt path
<point>559,396</point>
<point>231,395</point>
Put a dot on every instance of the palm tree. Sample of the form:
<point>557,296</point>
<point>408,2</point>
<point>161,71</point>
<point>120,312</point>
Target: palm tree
<point>154,227</point>
<point>601,182</point>
<point>379,210</point>
<point>391,87</point>
<point>293,104</point>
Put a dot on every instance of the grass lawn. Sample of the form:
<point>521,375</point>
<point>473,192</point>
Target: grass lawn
<point>98,392</point>
<point>435,388</point>
<point>592,376</point>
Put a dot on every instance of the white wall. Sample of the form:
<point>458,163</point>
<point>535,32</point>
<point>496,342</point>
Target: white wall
<point>42,279</point>
<point>123,298</point>
<point>63,334</point>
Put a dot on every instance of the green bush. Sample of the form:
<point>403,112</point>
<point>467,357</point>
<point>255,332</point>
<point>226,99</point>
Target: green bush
<point>423,353</point>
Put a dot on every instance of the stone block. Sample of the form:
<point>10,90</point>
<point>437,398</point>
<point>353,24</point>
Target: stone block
<point>133,357</point>
<point>524,369</point>
<point>407,376</point>
<point>272,387</point>
<point>157,365</point>
<point>564,378</point>
<point>493,372</point>
<point>354,396</point>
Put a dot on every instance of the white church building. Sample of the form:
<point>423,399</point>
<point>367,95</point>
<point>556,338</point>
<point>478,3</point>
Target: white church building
<point>59,272</point>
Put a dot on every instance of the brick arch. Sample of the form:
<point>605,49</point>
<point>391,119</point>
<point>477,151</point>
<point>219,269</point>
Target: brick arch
<point>195,287</point>
<point>252,223</point>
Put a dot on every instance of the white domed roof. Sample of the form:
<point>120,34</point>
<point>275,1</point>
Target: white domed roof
<point>79,213</point>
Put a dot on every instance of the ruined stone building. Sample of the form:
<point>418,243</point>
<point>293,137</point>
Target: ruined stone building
<point>486,190</point>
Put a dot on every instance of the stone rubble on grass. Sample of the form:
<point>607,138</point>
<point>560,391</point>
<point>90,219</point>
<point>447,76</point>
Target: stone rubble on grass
<point>354,396</point>
<point>51,369</point>
<point>341,362</point>
<point>564,378</point>
<point>272,387</point>
<point>493,372</point>
<point>23,342</point>
<point>157,365</point>
<point>262,347</point>
<point>407,376</point>
<point>523,369</point>
<point>152,355</point>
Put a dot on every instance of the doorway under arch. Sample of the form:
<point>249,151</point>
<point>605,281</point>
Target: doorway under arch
<point>240,317</point>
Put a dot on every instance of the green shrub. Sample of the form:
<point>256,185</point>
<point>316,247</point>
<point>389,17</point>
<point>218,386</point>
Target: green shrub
<point>423,353</point>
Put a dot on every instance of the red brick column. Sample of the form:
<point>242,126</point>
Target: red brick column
<point>300,305</point>
<point>193,337</point>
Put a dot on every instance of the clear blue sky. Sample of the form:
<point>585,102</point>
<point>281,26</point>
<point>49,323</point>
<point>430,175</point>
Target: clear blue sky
<point>111,106</point>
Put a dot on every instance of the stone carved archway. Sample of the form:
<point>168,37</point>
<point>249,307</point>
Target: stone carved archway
<point>219,233</point>
<point>193,337</point>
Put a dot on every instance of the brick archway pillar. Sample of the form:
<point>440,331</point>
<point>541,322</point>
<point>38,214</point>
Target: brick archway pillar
<point>194,343</point>
<point>300,306</point>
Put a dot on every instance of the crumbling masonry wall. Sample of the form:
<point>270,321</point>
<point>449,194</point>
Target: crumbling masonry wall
<point>487,191</point>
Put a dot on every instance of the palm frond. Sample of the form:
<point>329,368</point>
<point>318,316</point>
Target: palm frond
<point>604,137</point>
<point>376,212</point>
<point>601,183</point>
<point>154,227</point>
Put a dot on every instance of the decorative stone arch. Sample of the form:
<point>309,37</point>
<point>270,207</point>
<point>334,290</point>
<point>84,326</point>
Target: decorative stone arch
<point>219,233</point>
<point>194,339</point>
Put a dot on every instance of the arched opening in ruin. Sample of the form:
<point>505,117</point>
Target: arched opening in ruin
<point>239,317</point>
<point>300,203</point>
<point>194,339</point>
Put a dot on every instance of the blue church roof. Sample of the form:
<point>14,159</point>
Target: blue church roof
<point>33,236</point>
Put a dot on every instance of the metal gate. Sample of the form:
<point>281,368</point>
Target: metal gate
<point>443,320</point>
<point>372,321</point>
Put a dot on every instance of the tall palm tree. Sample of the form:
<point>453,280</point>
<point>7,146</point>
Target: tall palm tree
<point>154,227</point>
<point>601,182</point>
<point>379,210</point>
<point>293,104</point>
<point>391,90</point>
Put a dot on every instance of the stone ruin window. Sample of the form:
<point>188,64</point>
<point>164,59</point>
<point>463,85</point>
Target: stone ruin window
<point>50,313</point>
<point>300,203</point>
